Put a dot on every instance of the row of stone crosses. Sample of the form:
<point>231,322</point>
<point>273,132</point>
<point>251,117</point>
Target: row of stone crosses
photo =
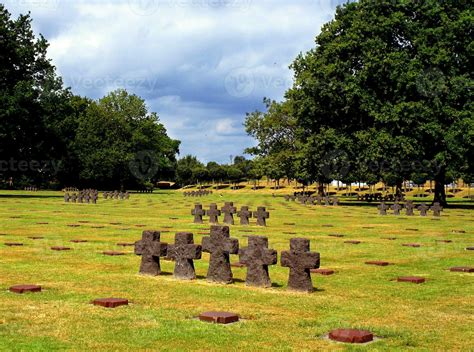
<point>257,257</point>
<point>436,208</point>
<point>116,195</point>
<point>31,188</point>
<point>229,210</point>
<point>313,200</point>
<point>83,196</point>
<point>199,193</point>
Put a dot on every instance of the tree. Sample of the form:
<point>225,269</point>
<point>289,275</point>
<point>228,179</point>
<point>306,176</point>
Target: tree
<point>119,143</point>
<point>184,169</point>
<point>388,83</point>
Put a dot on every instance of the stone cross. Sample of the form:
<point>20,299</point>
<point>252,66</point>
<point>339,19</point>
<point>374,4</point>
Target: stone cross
<point>106,195</point>
<point>436,208</point>
<point>151,249</point>
<point>396,208</point>
<point>213,213</point>
<point>409,206</point>
<point>261,214</point>
<point>198,212</point>
<point>244,214</point>
<point>257,257</point>
<point>66,197</point>
<point>319,199</point>
<point>335,201</point>
<point>382,207</point>
<point>79,198</point>
<point>327,201</point>
<point>74,197</point>
<point>287,197</point>
<point>183,251</point>
<point>220,246</point>
<point>423,208</point>
<point>87,198</point>
<point>229,210</point>
<point>300,260</point>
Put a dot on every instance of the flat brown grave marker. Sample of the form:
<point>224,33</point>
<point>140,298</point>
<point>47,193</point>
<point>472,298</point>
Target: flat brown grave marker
<point>412,279</point>
<point>219,317</point>
<point>83,221</point>
<point>462,269</point>
<point>377,262</point>
<point>237,265</point>
<point>140,225</point>
<point>459,231</point>
<point>322,271</point>
<point>97,227</point>
<point>78,241</point>
<point>351,336</point>
<point>412,229</point>
<point>57,248</point>
<point>289,233</point>
<point>469,248</point>
<point>335,235</point>
<point>389,238</point>
<point>173,218</point>
<point>110,302</point>
<point>36,237</point>
<point>327,225</point>
<point>368,227</point>
<point>73,225</point>
<point>352,242</point>
<point>25,288</point>
<point>414,245</point>
<point>125,244</point>
<point>115,223</point>
<point>42,223</point>
<point>444,241</point>
<point>289,223</point>
<point>13,244</point>
<point>113,253</point>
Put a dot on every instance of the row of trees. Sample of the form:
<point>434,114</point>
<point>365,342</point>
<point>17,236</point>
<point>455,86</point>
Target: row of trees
<point>51,137</point>
<point>386,94</point>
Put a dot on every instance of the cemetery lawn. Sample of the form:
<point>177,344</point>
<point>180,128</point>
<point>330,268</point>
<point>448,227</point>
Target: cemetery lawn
<point>435,315</point>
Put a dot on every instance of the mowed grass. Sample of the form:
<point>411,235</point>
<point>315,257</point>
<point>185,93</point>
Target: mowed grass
<point>436,315</point>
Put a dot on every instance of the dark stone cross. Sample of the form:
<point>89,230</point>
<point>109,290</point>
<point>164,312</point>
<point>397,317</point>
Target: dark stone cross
<point>229,210</point>
<point>409,206</point>
<point>335,201</point>
<point>244,214</point>
<point>436,208</point>
<point>257,257</point>
<point>183,251</point>
<point>151,249</point>
<point>382,207</point>
<point>66,197</point>
<point>300,260</point>
<point>213,213</point>
<point>261,214</point>
<point>319,199</point>
<point>423,208</point>
<point>74,197</point>
<point>198,212</point>
<point>220,246</point>
<point>327,201</point>
<point>396,207</point>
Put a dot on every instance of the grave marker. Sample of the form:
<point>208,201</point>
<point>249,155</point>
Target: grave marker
<point>151,249</point>
<point>183,251</point>
<point>257,257</point>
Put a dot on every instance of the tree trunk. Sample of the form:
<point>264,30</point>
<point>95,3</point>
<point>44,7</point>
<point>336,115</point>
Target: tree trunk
<point>321,189</point>
<point>440,191</point>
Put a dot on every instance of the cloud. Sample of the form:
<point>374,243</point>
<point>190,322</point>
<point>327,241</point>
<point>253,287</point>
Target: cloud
<point>200,64</point>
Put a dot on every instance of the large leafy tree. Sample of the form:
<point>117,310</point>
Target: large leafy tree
<point>389,85</point>
<point>32,103</point>
<point>120,143</point>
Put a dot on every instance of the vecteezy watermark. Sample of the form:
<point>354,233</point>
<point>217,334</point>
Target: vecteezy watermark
<point>146,85</point>
<point>336,165</point>
<point>144,7</point>
<point>242,82</point>
<point>431,83</point>
<point>144,165</point>
<point>43,166</point>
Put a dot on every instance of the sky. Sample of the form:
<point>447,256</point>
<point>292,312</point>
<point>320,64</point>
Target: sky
<point>200,64</point>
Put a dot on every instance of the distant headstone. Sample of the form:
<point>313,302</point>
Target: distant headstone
<point>213,213</point>
<point>300,260</point>
<point>396,207</point>
<point>198,212</point>
<point>25,288</point>
<point>257,257</point>
<point>261,214</point>
<point>436,208</point>
<point>220,246</point>
<point>382,207</point>
<point>244,214</point>
<point>229,210</point>
<point>219,317</point>
<point>412,279</point>
<point>67,197</point>
<point>423,208</point>
<point>409,206</point>
<point>151,249</point>
<point>351,336</point>
<point>183,252</point>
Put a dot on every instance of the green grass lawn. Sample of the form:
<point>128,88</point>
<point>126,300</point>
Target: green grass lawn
<point>436,315</point>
